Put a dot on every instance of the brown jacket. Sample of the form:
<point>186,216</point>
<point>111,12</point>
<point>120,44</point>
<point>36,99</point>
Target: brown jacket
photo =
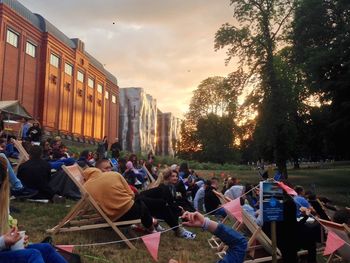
<point>110,191</point>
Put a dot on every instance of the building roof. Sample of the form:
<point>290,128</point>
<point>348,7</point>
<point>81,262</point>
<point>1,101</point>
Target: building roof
<point>45,26</point>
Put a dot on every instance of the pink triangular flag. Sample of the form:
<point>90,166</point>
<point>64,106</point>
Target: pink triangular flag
<point>152,243</point>
<point>333,243</point>
<point>234,208</point>
<point>286,188</point>
<point>68,248</point>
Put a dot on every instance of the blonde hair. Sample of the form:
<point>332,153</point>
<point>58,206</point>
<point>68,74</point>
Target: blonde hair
<point>157,182</point>
<point>4,197</point>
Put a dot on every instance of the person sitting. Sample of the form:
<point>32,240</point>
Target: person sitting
<point>10,149</point>
<point>301,201</point>
<point>34,253</point>
<point>161,201</point>
<point>36,174</point>
<point>198,201</point>
<point>34,133</point>
<point>236,243</point>
<point>234,190</point>
<point>111,191</point>
<point>211,201</point>
<point>133,176</point>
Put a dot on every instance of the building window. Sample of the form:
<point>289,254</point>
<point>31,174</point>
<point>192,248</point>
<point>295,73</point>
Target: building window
<point>54,60</point>
<point>30,49</point>
<point>99,88</point>
<point>12,38</point>
<point>80,76</point>
<point>114,99</point>
<point>68,69</point>
<point>91,83</point>
<point>106,95</point>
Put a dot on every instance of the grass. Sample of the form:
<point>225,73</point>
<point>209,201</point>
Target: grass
<point>36,218</point>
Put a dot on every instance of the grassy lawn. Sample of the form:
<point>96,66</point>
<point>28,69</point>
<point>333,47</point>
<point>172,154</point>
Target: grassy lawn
<point>36,218</point>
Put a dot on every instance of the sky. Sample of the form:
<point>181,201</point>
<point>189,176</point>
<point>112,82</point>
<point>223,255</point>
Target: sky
<point>163,46</point>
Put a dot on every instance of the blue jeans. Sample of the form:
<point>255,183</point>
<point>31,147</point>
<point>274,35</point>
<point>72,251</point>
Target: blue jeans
<point>35,253</point>
<point>14,181</point>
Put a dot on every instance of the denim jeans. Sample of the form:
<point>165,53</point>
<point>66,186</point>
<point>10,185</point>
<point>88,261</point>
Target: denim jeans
<point>14,181</point>
<point>35,253</point>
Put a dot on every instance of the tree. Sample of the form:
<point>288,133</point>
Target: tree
<point>254,41</point>
<point>215,137</point>
<point>322,50</point>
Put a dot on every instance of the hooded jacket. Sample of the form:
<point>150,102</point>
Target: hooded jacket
<point>110,191</point>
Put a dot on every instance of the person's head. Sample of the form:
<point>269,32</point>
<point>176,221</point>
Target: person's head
<point>25,120</point>
<point>342,216</point>
<point>174,167</point>
<point>300,190</point>
<point>3,143</point>
<point>129,165</point>
<point>36,124</point>
<point>4,196</point>
<point>104,165</point>
<point>35,152</point>
<point>84,154</point>
<point>170,177</point>
<point>214,182</point>
<point>184,168</point>
<point>46,146</point>
<point>116,140</point>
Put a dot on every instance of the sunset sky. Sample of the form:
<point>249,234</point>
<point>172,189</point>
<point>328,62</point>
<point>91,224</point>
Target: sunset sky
<point>163,46</point>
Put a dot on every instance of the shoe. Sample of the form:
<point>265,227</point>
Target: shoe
<point>188,235</point>
<point>58,199</point>
<point>159,228</point>
<point>24,193</point>
<point>181,232</point>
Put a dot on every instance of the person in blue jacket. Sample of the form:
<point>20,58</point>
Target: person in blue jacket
<point>237,244</point>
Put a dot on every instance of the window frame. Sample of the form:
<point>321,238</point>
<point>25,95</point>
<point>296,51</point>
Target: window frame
<point>8,39</point>
<point>91,80</point>
<point>99,88</point>
<point>66,65</point>
<point>33,46</point>
<point>82,74</point>
<point>52,62</point>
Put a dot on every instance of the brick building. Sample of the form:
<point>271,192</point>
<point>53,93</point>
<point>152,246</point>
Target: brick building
<point>54,78</point>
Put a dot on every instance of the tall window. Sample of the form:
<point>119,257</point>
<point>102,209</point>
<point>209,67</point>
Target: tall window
<point>91,83</point>
<point>80,76</point>
<point>30,49</point>
<point>12,38</point>
<point>54,60</point>
<point>114,99</point>
<point>99,88</point>
<point>68,69</point>
<point>106,95</point>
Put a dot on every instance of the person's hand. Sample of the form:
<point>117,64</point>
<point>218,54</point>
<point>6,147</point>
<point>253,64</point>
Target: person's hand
<point>195,219</point>
<point>173,261</point>
<point>26,240</point>
<point>182,210</point>
<point>11,237</point>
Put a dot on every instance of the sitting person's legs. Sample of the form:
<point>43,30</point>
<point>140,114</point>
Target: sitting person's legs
<point>48,253</point>
<point>139,211</point>
<point>21,256</point>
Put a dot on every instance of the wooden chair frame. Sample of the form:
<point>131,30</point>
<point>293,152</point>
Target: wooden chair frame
<point>23,155</point>
<point>86,213</point>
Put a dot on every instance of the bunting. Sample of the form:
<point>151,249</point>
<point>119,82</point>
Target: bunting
<point>152,244</point>
<point>333,243</point>
<point>286,188</point>
<point>68,248</point>
<point>234,209</point>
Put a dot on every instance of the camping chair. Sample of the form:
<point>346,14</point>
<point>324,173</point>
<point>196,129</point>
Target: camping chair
<point>343,231</point>
<point>23,155</point>
<point>87,214</point>
<point>149,175</point>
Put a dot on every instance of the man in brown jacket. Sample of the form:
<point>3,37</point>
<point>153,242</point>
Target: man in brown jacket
<point>114,196</point>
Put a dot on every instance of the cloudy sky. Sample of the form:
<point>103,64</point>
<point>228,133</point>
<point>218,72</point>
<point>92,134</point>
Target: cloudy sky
<point>164,46</point>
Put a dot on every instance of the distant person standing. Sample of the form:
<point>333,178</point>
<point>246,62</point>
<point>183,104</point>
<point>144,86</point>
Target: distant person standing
<point>24,130</point>
<point>105,144</point>
<point>34,133</point>
<point>116,148</point>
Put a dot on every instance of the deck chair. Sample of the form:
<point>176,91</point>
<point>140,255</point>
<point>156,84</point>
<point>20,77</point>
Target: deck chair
<point>149,175</point>
<point>23,155</point>
<point>87,214</point>
<point>343,231</point>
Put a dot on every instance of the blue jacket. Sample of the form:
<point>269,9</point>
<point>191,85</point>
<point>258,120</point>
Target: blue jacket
<point>237,244</point>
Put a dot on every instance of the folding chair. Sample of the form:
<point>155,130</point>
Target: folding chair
<point>87,214</point>
<point>23,155</point>
<point>149,175</point>
<point>343,231</point>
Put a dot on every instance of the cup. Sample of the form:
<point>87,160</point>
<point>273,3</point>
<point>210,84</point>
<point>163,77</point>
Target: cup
<point>20,243</point>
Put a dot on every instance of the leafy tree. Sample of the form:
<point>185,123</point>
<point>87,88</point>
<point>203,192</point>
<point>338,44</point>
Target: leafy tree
<point>215,137</point>
<point>321,35</point>
<point>254,41</point>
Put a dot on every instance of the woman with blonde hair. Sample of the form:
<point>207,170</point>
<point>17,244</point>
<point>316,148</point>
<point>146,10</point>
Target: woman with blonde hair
<point>34,253</point>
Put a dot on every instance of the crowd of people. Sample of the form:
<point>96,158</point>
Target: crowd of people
<point>178,196</point>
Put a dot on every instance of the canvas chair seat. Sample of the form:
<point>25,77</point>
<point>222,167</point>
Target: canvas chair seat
<point>87,214</point>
